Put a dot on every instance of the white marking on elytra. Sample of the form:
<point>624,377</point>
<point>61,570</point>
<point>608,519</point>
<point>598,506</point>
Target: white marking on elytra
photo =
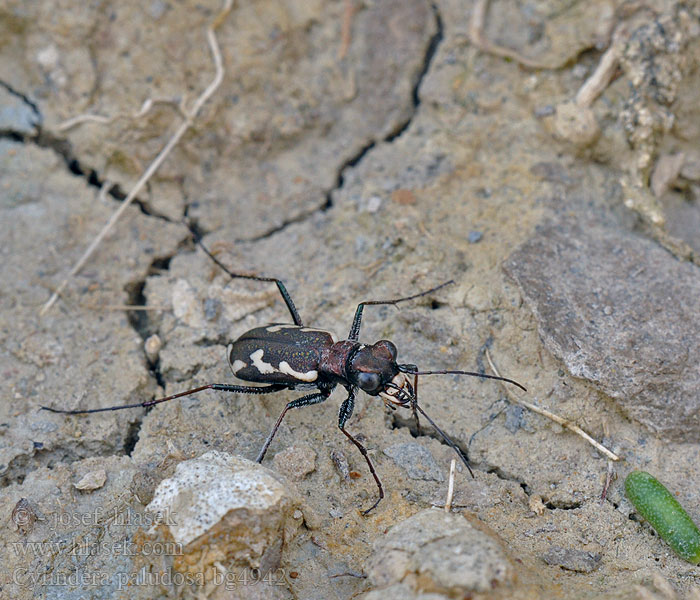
<point>308,376</point>
<point>261,366</point>
<point>237,366</point>
<point>276,328</point>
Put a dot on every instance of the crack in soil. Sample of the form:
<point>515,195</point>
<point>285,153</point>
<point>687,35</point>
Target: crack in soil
<point>62,147</point>
<point>398,421</point>
<point>356,158</point>
<point>139,320</point>
<point>21,465</point>
<point>35,109</point>
<point>430,52</point>
<point>353,161</point>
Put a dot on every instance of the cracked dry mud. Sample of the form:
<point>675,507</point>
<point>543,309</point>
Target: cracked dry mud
<point>379,169</point>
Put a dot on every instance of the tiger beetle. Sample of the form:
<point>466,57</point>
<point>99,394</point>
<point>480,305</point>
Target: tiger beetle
<point>292,356</point>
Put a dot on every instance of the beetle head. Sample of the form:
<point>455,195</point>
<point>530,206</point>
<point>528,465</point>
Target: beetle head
<point>374,370</point>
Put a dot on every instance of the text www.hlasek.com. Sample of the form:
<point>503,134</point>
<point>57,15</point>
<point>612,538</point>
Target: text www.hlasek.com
<point>120,548</point>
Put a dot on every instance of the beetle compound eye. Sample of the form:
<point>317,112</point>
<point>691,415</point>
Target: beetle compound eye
<point>369,382</point>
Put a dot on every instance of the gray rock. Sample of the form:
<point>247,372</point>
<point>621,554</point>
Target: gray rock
<point>633,331</point>
<point>444,550</point>
<point>572,560</point>
<point>295,462</point>
<point>416,460</point>
<point>16,114</point>
<point>210,494</point>
<point>514,418</point>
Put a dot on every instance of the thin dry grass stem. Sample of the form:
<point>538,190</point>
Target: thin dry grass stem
<point>477,37</point>
<point>104,190</point>
<point>89,118</point>
<point>349,10</point>
<point>609,476</point>
<point>556,418</point>
<point>596,84</point>
<point>610,473</point>
<point>450,486</point>
<point>189,116</point>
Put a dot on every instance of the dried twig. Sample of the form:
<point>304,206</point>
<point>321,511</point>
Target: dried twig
<point>189,116</point>
<point>556,418</point>
<point>450,486</point>
<point>145,108</point>
<point>349,10</point>
<point>477,37</point>
<point>596,84</point>
<point>610,473</point>
<point>609,476</point>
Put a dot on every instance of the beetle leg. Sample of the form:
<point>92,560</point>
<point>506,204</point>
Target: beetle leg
<point>298,403</point>
<point>280,286</point>
<point>414,403</point>
<point>222,387</point>
<point>357,320</point>
<point>345,413</point>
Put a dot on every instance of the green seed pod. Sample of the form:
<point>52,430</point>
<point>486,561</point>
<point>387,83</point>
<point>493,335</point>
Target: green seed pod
<point>656,504</point>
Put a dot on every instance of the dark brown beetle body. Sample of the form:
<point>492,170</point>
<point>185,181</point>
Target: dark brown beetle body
<point>289,356</point>
<point>279,353</point>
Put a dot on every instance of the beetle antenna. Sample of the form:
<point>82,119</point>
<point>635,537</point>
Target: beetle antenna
<point>413,371</point>
<point>447,438</point>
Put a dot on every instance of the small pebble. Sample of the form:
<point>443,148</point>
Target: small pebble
<point>91,481</point>
<point>341,464</point>
<point>416,460</point>
<point>152,347</point>
<point>576,124</point>
<point>212,308</point>
<point>571,560</point>
<point>295,462</point>
<point>23,516</point>
<point>403,197</point>
<point>374,204</point>
<point>544,111</point>
<point>474,237</point>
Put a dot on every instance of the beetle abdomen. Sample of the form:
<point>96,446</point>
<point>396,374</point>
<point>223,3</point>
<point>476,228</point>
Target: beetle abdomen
<point>278,354</point>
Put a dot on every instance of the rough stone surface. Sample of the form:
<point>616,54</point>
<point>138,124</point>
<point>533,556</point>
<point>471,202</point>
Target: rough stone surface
<point>78,540</point>
<point>228,516</point>
<point>435,551</point>
<point>93,480</point>
<point>84,354</point>
<point>416,460</point>
<point>571,559</point>
<point>632,329</point>
<point>295,462</point>
<point>204,490</point>
<point>16,115</point>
